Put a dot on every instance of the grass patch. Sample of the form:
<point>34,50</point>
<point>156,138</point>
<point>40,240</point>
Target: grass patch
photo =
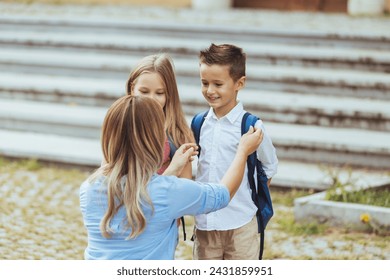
<point>286,197</point>
<point>31,164</point>
<point>343,183</point>
<point>377,197</point>
<point>291,227</point>
<point>284,221</point>
<point>25,164</point>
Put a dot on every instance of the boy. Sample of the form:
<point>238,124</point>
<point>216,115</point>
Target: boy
<point>229,233</point>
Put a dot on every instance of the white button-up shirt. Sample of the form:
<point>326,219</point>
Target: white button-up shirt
<point>219,140</point>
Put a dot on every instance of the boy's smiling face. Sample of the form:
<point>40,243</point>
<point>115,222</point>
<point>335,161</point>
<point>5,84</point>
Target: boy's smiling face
<point>219,89</point>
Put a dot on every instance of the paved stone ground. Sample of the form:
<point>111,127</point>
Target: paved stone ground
<point>40,216</point>
<point>40,219</point>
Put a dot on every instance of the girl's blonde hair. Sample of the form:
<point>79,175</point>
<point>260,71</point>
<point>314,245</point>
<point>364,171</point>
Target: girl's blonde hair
<point>175,123</point>
<point>132,141</point>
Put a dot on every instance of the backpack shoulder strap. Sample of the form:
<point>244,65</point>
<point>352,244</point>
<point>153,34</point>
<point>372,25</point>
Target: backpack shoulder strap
<point>196,125</point>
<point>252,163</point>
<point>249,120</point>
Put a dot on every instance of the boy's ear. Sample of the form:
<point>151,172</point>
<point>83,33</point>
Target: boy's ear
<point>240,84</point>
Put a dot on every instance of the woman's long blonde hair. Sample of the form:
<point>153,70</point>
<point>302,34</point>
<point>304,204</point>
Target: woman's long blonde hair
<point>175,123</point>
<point>132,141</point>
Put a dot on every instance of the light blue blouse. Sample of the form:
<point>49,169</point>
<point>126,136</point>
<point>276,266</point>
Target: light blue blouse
<point>171,197</point>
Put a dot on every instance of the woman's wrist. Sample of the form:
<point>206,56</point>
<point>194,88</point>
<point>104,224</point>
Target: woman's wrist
<point>171,170</point>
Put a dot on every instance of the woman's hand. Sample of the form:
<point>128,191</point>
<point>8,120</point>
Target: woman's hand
<point>183,155</point>
<point>250,141</point>
<point>185,148</point>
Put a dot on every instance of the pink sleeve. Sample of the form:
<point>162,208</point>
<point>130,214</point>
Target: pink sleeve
<point>166,159</point>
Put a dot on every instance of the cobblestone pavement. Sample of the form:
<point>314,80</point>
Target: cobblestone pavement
<point>40,216</point>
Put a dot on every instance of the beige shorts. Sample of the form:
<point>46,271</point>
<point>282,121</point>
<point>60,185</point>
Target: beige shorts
<point>236,244</point>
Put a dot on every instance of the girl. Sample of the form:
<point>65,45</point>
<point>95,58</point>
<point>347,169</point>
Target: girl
<point>154,77</point>
<point>129,211</point>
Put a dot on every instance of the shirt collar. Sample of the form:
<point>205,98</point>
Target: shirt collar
<point>232,116</point>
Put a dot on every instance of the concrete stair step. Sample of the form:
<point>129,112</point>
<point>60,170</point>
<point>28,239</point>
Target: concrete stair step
<point>353,147</point>
<point>299,142</point>
<point>48,88</point>
<point>269,105</point>
<point>294,174</point>
<point>258,52</point>
<point>59,119</point>
<point>269,77</point>
<point>51,148</point>
<point>216,26</point>
<point>87,152</point>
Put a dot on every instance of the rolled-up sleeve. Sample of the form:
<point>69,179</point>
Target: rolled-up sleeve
<point>187,197</point>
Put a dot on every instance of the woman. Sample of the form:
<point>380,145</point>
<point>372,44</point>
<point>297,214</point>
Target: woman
<point>129,210</point>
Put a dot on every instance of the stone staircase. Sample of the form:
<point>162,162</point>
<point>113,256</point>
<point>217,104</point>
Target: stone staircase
<point>325,98</point>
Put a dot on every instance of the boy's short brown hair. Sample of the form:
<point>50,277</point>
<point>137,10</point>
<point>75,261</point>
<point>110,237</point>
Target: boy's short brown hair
<point>225,54</point>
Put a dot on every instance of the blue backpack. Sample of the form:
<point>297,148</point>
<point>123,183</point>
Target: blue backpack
<point>261,195</point>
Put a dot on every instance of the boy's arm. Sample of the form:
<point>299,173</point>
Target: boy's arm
<point>266,153</point>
